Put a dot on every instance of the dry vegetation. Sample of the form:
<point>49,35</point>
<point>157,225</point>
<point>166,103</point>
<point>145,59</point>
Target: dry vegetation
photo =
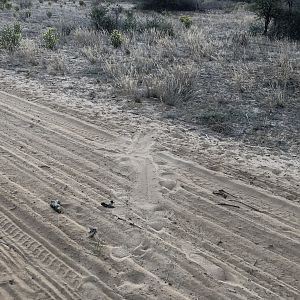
<point>216,74</point>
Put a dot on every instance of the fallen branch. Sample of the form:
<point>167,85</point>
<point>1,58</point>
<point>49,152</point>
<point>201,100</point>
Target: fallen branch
<point>227,204</point>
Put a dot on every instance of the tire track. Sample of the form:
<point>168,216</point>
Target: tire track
<point>48,258</point>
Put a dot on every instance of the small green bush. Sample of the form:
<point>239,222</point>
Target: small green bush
<point>161,5</point>
<point>2,4</point>
<point>186,21</point>
<point>50,38</point>
<point>10,37</point>
<point>49,14</point>
<point>82,3</point>
<point>8,6</point>
<point>266,10</point>
<point>116,38</point>
<point>101,19</point>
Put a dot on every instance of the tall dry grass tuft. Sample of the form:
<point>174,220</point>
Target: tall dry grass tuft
<point>198,44</point>
<point>284,64</point>
<point>89,38</point>
<point>56,64</point>
<point>28,52</point>
<point>174,86</point>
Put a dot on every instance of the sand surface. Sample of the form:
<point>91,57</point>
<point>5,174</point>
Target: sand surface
<point>194,218</point>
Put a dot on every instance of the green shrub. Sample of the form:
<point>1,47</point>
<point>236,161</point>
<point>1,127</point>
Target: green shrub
<point>49,14</point>
<point>286,25</point>
<point>8,6</point>
<point>82,3</point>
<point>186,21</point>
<point>2,4</point>
<point>116,38</point>
<point>281,17</point>
<point>266,10</point>
<point>161,5</point>
<point>50,38</point>
<point>101,19</point>
<point>10,37</point>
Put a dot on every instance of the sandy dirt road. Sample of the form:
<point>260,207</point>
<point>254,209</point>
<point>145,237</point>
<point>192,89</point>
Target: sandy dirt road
<point>172,234</point>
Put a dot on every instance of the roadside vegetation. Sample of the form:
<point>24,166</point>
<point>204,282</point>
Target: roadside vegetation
<point>229,67</point>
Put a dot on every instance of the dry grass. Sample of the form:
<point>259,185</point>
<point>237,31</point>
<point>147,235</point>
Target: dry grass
<point>216,73</point>
<point>28,53</point>
<point>56,64</point>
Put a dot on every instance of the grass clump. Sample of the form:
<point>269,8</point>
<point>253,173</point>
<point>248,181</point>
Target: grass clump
<point>25,4</point>
<point>175,86</point>
<point>159,24</point>
<point>218,121</point>
<point>50,38</point>
<point>10,37</point>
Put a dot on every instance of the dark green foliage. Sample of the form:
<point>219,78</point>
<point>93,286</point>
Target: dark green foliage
<point>10,37</point>
<point>266,10</point>
<point>286,25</point>
<point>3,3</point>
<point>160,5</point>
<point>102,20</point>
<point>50,38</point>
<point>82,3</point>
<point>8,6</point>
<point>282,17</point>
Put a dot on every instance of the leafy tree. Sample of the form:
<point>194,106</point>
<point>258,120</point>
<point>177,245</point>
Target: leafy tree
<point>267,10</point>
